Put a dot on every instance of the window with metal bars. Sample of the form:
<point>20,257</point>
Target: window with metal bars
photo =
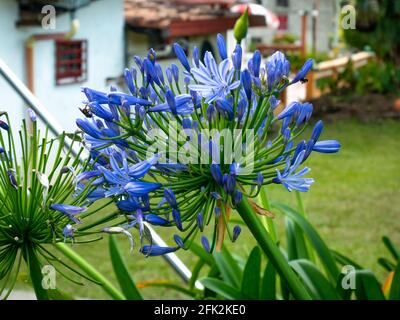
<point>282,3</point>
<point>71,61</point>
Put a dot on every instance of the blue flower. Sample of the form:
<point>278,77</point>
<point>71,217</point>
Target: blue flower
<point>196,57</point>
<point>178,240</point>
<point>181,55</point>
<point>128,205</point>
<point>140,188</point>
<point>176,215</point>
<point>119,98</point>
<point>237,57</point>
<point>95,95</point>
<point>205,243</point>
<point>153,250</point>
<point>327,146</point>
<point>255,64</point>
<point>216,173</point>
<point>32,115</point>
<point>200,221</point>
<point>170,197</point>
<point>129,80</point>
<point>69,210</point>
<point>221,46</point>
<point>68,232</point>
<point>12,177</point>
<point>213,80</point>
<point>89,126</point>
<point>101,111</point>
<point>246,82</point>
<point>291,180</point>
<point>224,106</point>
<point>4,125</point>
<point>236,232</point>
<point>155,220</point>
<point>303,71</point>
<point>181,104</point>
<point>276,67</point>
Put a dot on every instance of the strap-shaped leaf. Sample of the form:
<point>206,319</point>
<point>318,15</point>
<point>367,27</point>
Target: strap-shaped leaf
<point>315,239</point>
<point>296,245</point>
<point>268,286</point>
<point>251,275</point>
<point>391,247</point>
<point>344,260</point>
<point>319,287</point>
<point>124,278</point>
<point>395,286</point>
<point>223,289</point>
<point>228,267</point>
<point>201,253</point>
<point>367,286</point>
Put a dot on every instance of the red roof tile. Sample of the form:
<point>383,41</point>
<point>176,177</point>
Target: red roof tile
<point>182,17</point>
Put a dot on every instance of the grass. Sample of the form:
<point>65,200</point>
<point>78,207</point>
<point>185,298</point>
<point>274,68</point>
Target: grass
<point>354,202</point>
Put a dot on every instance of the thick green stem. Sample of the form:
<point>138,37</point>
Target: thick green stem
<point>35,273</point>
<point>90,270</point>
<point>271,250</point>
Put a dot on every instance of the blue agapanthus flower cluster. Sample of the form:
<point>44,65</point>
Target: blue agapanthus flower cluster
<point>191,180</point>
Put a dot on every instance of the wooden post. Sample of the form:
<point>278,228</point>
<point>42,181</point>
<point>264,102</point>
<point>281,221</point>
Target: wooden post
<point>310,85</point>
<point>283,97</point>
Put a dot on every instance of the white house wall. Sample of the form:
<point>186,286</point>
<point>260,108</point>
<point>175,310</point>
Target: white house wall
<point>101,23</point>
<point>325,20</point>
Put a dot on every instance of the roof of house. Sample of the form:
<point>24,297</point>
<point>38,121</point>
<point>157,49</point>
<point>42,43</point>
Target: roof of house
<point>177,18</point>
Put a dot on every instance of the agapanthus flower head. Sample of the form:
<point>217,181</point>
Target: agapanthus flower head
<point>40,206</point>
<point>186,156</point>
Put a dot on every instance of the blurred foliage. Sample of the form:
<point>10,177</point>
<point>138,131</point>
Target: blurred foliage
<point>374,77</point>
<point>296,61</point>
<point>377,27</point>
<point>285,38</point>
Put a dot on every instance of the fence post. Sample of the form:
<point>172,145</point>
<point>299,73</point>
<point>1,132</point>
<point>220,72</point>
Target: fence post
<point>310,88</point>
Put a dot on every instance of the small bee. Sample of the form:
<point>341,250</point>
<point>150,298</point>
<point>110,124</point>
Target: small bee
<point>86,111</point>
<point>303,80</point>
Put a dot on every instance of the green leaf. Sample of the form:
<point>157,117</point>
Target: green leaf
<point>296,245</point>
<point>344,293</point>
<point>395,286</point>
<point>268,286</point>
<point>251,275</point>
<point>124,278</point>
<point>343,260</point>
<point>59,295</point>
<point>367,286</point>
<point>391,247</point>
<point>173,286</point>
<point>74,136</point>
<point>223,289</point>
<point>195,273</point>
<point>228,267</point>
<point>35,274</point>
<point>202,254</point>
<point>319,287</point>
<point>315,239</point>
<point>385,263</point>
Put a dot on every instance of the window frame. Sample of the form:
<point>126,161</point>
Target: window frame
<point>65,68</point>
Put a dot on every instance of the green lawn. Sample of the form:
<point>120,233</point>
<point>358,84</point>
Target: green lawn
<point>354,202</point>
